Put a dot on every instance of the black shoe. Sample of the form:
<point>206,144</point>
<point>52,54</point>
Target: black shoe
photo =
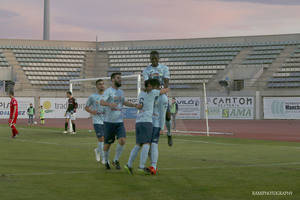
<point>170,141</point>
<point>145,171</point>
<point>128,169</point>
<point>116,164</point>
<point>107,165</point>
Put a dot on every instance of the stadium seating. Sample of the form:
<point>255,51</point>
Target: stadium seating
<point>3,61</point>
<point>263,54</point>
<point>288,74</point>
<point>50,66</point>
<point>189,65</point>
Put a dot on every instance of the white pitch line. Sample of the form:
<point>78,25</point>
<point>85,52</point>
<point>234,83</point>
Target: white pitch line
<point>205,142</point>
<point>202,132</point>
<point>163,169</point>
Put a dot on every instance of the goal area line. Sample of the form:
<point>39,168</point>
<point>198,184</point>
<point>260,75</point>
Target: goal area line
<point>184,132</point>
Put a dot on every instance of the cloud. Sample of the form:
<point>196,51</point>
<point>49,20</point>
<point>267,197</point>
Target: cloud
<point>272,2</point>
<point>4,14</point>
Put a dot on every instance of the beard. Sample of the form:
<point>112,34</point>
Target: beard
<point>118,84</point>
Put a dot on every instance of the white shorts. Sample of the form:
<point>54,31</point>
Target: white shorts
<point>71,116</point>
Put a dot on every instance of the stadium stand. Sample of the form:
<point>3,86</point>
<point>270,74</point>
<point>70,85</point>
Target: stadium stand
<point>3,61</point>
<point>288,75</point>
<point>49,65</point>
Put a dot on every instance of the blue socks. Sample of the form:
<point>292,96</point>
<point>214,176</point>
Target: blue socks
<point>154,155</point>
<point>144,155</point>
<point>133,154</point>
<point>119,151</point>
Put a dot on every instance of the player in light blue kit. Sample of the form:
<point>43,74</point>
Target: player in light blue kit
<point>113,99</point>
<point>160,72</point>
<point>144,127</point>
<point>159,117</point>
<point>97,111</point>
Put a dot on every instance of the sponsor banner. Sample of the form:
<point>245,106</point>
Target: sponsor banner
<point>188,107</point>
<point>56,107</point>
<point>23,104</point>
<point>230,107</point>
<point>281,107</point>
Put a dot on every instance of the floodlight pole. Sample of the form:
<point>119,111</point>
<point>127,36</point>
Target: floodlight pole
<point>138,85</point>
<point>205,109</point>
<point>46,33</point>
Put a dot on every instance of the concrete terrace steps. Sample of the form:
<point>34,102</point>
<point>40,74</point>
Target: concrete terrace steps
<point>222,74</point>
<point>21,80</point>
<point>274,67</point>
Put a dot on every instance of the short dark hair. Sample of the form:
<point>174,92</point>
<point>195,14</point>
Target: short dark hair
<point>154,82</point>
<point>115,74</point>
<point>69,92</point>
<point>99,80</point>
<point>11,92</point>
<point>154,53</point>
<point>147,82</point>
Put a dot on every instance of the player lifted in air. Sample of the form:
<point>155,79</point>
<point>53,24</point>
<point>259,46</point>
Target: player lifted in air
<point>71,112</point>
<point>97,111</point>
<point>114,100</point>
<point>144,126</point>
<point>160,72</point>
<point>13,115</point>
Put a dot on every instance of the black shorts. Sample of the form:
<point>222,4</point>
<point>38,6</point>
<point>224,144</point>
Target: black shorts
<point>99,129</point>
<point>143,132</point>
<point>113,130</point>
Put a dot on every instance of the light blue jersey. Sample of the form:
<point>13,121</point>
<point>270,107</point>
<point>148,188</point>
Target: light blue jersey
<point>160,72</point>
<point>94,103</point>
<point>159,111</point>
<point>147,99</point>
<point>113,115</point>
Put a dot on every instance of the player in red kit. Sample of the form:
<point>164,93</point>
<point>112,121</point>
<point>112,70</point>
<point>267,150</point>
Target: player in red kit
<point>13,114</point>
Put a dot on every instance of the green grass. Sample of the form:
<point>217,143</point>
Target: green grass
<point>44,164</point>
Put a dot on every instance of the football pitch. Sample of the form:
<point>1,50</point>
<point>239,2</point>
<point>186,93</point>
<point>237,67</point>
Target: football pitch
<point>42,163</point>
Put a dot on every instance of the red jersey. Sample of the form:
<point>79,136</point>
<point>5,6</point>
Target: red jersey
<point>13,104</point>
